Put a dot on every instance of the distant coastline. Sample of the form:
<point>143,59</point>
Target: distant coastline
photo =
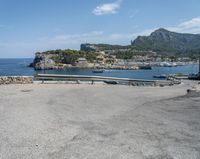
<point>18,67</point>
<point>161,48</point>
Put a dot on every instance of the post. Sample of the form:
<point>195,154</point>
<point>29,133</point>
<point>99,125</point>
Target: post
<point>44,71</point>
<point>199,64</point>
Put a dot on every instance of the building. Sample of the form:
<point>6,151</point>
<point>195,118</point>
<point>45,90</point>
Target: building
<point>81,62</point>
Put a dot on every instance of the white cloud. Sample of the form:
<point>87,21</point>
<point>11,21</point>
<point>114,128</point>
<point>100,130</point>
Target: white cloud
<point>73,41</point>
<point>134,13</point>
<point>65,41</point>
<point>190,26</point>
<point>126,37</point>
<point>80,36</point>
<point>74,38</point>
<point>108,8</point>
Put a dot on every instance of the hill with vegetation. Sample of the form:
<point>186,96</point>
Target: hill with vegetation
<point>167,42</point>
<point>161,41</point>
<point>102,47</point>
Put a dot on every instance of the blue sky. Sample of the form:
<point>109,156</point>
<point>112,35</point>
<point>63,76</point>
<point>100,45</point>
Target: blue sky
<point>27,26</point>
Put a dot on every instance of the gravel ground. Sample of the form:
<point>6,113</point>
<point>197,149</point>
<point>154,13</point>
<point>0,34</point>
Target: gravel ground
<point>70,121</point>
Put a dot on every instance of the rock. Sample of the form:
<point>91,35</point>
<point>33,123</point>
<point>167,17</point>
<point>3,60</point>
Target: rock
<point>42,61</point>
<point>51,61</point>
<point>45,64</point>
<point>31,65</point>
<point>16,80</point>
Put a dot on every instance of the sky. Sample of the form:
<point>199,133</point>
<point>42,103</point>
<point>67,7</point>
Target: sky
<point>29,26</point>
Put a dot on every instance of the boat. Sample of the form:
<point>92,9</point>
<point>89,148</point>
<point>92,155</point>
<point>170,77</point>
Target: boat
<point>163,76</point>
<point>111,82</point>
<point>194,76</point>
<point>165,64</point>
<point>97,71</point>
<point>174,64</point>
<point>145,67</point>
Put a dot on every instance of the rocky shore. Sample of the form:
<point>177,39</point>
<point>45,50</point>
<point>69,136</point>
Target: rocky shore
<point>16,80</point>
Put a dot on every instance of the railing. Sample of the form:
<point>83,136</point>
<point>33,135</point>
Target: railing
<point>78,78</point>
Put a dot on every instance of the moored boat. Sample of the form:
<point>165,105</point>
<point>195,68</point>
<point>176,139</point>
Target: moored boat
<point>194,76</point>
<point>145,67</point>
<point>163,76</point>
<point>111,82</point>
<point>97,71</point>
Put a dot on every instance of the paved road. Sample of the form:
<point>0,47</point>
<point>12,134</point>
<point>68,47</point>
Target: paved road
<point>58,121</point>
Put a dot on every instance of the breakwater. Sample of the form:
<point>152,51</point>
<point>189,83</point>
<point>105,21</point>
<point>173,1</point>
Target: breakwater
<point>16,80</point>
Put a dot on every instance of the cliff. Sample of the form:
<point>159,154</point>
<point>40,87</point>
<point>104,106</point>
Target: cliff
<point>56,59</point>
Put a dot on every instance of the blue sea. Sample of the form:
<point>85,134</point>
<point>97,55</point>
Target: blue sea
<point>15,67</point>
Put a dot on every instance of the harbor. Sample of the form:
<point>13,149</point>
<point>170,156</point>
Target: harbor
<point>99,79</point>
<point>18,67</point>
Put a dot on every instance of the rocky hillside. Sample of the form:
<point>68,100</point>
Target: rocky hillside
<point>165,41</point>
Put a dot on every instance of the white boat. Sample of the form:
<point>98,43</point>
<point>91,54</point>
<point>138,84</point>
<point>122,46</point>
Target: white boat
<point>162,76</point>
<point>165,64</point>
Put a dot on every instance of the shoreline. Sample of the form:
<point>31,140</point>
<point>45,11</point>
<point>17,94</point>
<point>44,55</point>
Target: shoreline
<point>132,66</point>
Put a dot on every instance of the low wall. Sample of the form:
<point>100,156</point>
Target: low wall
<point>16,80</point>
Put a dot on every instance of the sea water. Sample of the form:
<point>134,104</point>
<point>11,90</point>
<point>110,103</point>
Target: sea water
<point>19,67</point>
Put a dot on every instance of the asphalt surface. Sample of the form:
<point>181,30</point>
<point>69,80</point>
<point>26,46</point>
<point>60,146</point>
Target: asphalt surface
<point>66,121</point>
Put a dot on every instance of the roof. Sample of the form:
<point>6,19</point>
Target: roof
<point>82,59</point>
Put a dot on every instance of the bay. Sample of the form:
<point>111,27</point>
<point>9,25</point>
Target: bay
<point>18,67</point>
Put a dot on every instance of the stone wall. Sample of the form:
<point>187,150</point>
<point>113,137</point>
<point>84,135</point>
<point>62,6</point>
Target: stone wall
<point>16,80</point>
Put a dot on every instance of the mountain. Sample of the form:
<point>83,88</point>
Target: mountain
<point>164,41</point>
<point>101,47</point>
